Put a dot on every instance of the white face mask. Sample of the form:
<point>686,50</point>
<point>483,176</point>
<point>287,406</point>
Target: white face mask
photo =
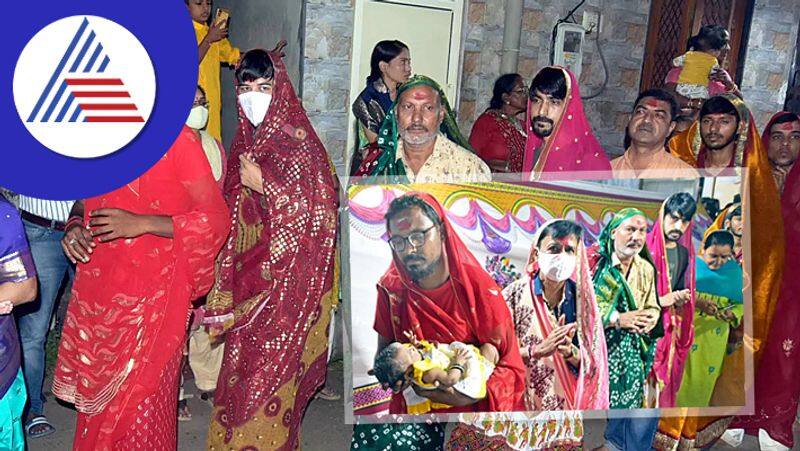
<point>198,117</point>
<point>556,267</point>
<point>255,106</point>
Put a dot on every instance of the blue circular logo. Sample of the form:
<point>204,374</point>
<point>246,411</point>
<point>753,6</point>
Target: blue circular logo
<point>96,93</point>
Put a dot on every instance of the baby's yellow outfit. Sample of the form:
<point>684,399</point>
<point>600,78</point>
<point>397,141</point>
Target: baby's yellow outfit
<point>472,383</point>
<point>694,77</point>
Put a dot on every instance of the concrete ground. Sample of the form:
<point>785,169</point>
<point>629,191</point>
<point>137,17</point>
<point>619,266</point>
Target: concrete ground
<point>323,427</point>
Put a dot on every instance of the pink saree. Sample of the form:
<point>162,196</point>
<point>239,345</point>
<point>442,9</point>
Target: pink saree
<point>673,348</point>
<point>571,147</point>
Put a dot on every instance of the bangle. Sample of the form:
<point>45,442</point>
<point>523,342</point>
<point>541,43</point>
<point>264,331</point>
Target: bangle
<point>73,220</point>
<point>456,366</point>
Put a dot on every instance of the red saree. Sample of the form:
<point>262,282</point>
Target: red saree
<point>478,315</point>
<point>776,389</point>
<point>275,279</point>
<point>571,147</point>
<point>495,137</point>
<point>673,348</point>
<point>130,304</point>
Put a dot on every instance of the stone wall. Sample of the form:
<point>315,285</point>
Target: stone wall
<point>622,40</point>
<point>770,51</point>
<point>326,72</point>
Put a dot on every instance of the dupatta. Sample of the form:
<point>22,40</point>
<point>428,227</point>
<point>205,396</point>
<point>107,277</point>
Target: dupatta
<point>673,348</point>
<point>487,315</point>
<point>571,146</point>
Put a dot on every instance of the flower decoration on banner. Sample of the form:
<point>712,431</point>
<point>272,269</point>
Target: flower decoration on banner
<point>502,270</point>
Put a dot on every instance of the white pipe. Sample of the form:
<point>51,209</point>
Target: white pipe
<point>511,34</point>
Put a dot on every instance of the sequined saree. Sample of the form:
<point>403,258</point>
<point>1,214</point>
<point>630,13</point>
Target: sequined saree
<point>275,279</point>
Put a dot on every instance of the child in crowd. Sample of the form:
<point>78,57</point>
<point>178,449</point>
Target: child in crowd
<point>214,50</point>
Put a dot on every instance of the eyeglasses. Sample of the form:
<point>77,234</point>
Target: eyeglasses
<point>416,240</point>
<point>202,102</point>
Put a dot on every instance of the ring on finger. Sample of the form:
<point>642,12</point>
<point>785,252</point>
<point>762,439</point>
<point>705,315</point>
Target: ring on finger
<point>72,241</point>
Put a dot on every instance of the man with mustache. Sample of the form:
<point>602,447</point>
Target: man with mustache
<point>560,138</point>
<point>419,141</point>
<point>670,243</point>
<point>625,285</point>
<point>776,389</point>
<point>437,290</point>
<point>650,126</point>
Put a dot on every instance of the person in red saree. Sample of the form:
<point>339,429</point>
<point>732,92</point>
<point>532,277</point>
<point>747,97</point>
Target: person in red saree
<point>670,244</point>
<point>436,289</point>
<point>777,392</point>
<point>276,274</point>
<point>720,145</point>
<point>144,252</point>
<point>498,135</point>
<point>560,138</point>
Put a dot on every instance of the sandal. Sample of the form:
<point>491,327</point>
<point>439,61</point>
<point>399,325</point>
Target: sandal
<point>45,430</point>
<point>183,411</point>
<point>328,394</point>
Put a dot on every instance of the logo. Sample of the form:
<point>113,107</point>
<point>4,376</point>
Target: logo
<point>84,86</point>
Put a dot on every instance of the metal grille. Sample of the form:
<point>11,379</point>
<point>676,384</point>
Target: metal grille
<point>669,45</point>
<point>717,12</point>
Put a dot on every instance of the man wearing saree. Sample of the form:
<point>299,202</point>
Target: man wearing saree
<point>561,340</point>
<point>17,286</point>
<point>767,251</point>
<point>719,308</point>
<point>419,141</point>
<point>276,273</point>
<point>498,135</point>
<point>625,285</point>
<point>436,289</point>
<point>776,389</point>
<point>560,138</point>
<point>649,127</point>
<point>144,252</point>
<point>670,244</point>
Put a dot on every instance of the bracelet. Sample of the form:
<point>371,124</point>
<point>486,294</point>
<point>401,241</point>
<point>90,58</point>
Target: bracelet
<point>456,366</point>
<point>73,220</point>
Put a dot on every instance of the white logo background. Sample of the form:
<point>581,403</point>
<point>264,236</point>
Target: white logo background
<point>128,61</point>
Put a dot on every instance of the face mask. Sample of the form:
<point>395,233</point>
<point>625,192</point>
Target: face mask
<point>198,118</point>
<point>255,106</point>
<point>556,267</point>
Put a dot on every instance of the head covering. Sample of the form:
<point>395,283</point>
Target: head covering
<point>688,145</point>
<point>724,282</point>
<point>483,306</point>
<point>382,159</point>
<point>789,182</point>
<point>765,222</point>
<point>590,390</point>
<point>278,264</point>
<point>571,146</point>
<point>673,348</point>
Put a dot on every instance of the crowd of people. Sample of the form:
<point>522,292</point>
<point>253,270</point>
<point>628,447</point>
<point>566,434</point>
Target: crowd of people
<point>206,248</point>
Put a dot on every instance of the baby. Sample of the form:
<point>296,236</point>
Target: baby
<point>430,366</point>
<point>695,76</point>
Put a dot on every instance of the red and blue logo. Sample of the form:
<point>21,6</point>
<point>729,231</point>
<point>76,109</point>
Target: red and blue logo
<point>99,94</point>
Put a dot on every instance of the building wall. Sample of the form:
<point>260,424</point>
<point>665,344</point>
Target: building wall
<point>769,59</point>
<point>622,39</point>
<point>326,72</point>
<point>328,42</point>
<point>260,24</point>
